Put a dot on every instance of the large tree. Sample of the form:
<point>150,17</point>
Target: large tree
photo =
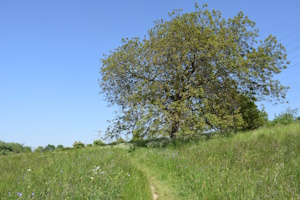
<point>189,75</point>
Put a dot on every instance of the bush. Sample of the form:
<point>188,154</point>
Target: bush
<point>39,149</point>
<point>89,145</point>
<point>286,117</point>
<point>27,149</point>
<point>12,148</point>
<point>139,142</point>
<point>67,148</point>
<point>60,146</point>
<point>98,143</point>
<point>50,147</point>
<point>77,145</point>
<point>252,116</point>
<point>120,140</point>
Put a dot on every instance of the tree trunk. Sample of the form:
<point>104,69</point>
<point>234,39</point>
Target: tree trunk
<point>174,129</point>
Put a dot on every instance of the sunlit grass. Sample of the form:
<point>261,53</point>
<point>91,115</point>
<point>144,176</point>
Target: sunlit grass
<point>89,173</point>
<point>262,164</point>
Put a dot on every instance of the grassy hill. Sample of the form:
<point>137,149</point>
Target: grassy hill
<point>260,164</point>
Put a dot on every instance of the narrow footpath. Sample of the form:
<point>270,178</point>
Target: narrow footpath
<point>160,189</point>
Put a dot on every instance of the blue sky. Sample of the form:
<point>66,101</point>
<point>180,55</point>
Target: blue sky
<point>50,58</point>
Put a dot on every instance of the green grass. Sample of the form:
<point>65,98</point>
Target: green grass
<point>72,175</point>
<point>261,164</point>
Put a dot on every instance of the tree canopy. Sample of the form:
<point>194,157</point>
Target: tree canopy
<point>191,74</point>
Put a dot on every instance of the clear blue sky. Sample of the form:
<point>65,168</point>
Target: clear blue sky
<point>50,58</point>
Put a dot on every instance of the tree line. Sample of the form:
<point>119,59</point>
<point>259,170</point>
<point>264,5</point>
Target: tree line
<point>285,118</point>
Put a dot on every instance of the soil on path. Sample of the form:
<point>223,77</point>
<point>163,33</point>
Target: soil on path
<point>155,196</point>
<point>159,189</point>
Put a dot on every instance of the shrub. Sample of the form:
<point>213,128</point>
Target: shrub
<point>27,149</point>
<point>286,117</point>
<point>77,145</point>
<point>60,147</point>
<point>12,148</point>
<point>50,147</point>
<point>252,117</point>
<point>120,140</point>
<point>67,148</point>
<point>98,143</point>
<point>39,149</point>
<point>89,145</point>
<point>139,142</point>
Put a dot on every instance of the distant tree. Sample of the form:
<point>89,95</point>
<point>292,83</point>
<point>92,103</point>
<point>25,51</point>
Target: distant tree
<point>50,147</point>
<point>99,143</point>
<point>78,145</point>
<point>27,149</point>
<point>187,75</point>
<point>286,117</point>
<point>39,149</point>
<point>89,145</point>
<point>12,148</point>
<point>60,147</point>
<point>252,117</point>
<point>120,140</point>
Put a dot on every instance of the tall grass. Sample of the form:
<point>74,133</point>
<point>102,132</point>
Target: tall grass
<point>262,164</point>
<point>88,173</point>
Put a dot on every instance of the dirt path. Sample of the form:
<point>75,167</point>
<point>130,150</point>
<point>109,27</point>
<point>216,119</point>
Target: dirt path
<point>155,196</point>
<point>159,189</point>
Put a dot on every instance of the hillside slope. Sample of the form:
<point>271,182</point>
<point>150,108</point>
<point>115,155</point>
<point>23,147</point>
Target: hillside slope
<point>261,164</point>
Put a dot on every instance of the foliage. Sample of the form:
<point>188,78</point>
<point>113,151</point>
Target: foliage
<point>39,149</point>
<point>67,148</point>
<point>50,147</point>
<point>120,140</point>
<point>60,147</point>
<point>286,117</point>
<point>188,74</point>
<point>77,145</point>
<point>252,117</point>
<point>264,116</point>
<point>89,145</point>
<point>99,143</point>
<point>27,149</point>
<point>12,148</point>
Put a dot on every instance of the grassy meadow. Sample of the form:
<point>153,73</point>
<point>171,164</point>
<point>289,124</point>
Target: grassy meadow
<point>260,164</point>
<point>87,173</point>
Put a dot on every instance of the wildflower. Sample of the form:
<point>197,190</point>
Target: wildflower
<point>128,174</point>
<point>61,171</point>
<point>19,194</point>
<point>32,194</point>
<point>96,169</point>
<point>29,170</point>
<point>92,178</point>
<point>9,194</point>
